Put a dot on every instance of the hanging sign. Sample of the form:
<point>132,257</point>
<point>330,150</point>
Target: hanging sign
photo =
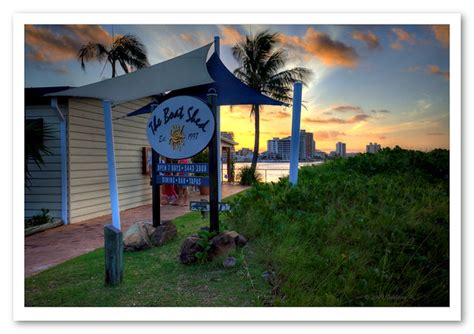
<point>180,127</point>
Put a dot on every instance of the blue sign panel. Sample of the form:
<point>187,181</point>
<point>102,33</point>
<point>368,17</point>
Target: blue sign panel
<point>183,180</point>
<point>205,206</point>
<point>182,168</point>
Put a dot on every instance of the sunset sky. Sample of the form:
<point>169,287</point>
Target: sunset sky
<point>385,84</point>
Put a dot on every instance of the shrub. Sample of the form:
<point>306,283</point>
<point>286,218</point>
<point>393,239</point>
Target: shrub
<point>40,219</point>
<point>248,176</point>
<point>372,230</point>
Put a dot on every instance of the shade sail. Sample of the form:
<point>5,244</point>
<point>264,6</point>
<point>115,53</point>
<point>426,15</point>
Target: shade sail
<point>187,70</point>
<point>230,90</point>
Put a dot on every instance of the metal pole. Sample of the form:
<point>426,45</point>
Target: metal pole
<point>109,139</point>
<point>217,50</point>
<point>295,132</point>
<point>155,190</point>
<point>213,171</point>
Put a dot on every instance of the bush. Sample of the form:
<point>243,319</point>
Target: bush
<point>372,230</point>
<point>40,219</point>
<point>248,176</point>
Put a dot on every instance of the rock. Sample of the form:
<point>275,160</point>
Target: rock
<point>229,262</point>
<point>239,239</point>
<point>163,233</point>
<point>221,245</point>
<point>189,248</point>
<point>137,237</point>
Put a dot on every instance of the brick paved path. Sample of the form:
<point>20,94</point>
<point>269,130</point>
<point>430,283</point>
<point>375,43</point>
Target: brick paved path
<point>54,246</point>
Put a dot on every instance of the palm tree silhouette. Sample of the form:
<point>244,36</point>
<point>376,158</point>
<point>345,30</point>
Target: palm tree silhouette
<point>127,51</point>
<point>262,68</point>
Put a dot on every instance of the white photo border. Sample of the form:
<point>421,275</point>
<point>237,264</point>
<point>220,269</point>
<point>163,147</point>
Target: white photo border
<point>451,313</point>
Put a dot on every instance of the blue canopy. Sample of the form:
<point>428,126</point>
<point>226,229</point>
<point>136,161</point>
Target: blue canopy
<point>230,90</point>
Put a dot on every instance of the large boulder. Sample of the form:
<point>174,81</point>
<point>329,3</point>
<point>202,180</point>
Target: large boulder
<point>164,233</point>
<point>138,236</point>
<point>239,239</point>
<point>189,248</point>
<point>221,245</point>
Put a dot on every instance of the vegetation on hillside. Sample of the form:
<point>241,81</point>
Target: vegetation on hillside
<point>372,230</point>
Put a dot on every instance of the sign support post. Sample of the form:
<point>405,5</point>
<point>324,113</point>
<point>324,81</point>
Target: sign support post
<point>213,169</point>
<point>155,189</point>
<point>113,240</point>
<point>295,132</point>
<point>217,50</point>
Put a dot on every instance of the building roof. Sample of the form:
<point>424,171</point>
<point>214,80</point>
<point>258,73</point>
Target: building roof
<point>227,141</point>
<point>36,95</point>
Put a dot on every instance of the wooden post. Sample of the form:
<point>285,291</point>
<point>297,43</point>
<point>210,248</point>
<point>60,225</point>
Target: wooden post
<point>213,170</point>
<point>230,178</point>
<point>113,246</point>
<point>156,201</point>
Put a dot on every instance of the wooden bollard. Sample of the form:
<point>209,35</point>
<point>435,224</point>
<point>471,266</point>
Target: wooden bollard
<point>113,246</point>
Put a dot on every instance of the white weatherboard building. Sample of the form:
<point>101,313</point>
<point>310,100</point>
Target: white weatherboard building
<point>86,180</point>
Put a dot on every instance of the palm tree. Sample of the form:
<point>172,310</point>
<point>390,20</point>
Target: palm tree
<point>127,51</point>
<point>262,67</point>
<point>36,134</point>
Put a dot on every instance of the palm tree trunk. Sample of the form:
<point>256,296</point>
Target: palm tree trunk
<point>113,69</point>
<point>256,114</point>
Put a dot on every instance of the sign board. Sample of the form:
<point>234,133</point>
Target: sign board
<point>183,168</point>
<point>183,180</point>
<point>205,206</point>
<point>180,127</point>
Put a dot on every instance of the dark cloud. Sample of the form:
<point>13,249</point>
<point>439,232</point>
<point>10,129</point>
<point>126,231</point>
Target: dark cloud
<point>347,108</point>
<point>380,111</point>
<point>435,133</point>
<point>50,44</point>
<point>321,46</point>
<point>369,38</point>
<point>335,120</point>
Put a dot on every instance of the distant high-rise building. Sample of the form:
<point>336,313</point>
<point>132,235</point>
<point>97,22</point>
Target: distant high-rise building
<point>284,148</point>
<point>372,148</point>
<point>341,149</point>
<point>272,148</point>
<point>309,145</point>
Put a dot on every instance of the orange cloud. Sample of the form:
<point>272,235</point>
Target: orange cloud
<point>441,33</point>
<point>280,114</point>
<point>321,135</point>
<point>186,37</point>
<point>320,45</point>
<point>370,39</point>
<point>46,45</point>
<point>230,36</point>
<point>335,120</point>
<point>434,69</point>
<point>402,36</point>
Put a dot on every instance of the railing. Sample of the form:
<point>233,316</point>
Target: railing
<point>267,174</point>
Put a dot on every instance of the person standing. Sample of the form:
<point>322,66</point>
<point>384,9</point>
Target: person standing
<point>183,193</point>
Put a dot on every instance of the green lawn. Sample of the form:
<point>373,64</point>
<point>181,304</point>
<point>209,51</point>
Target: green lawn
<point>153,277</point>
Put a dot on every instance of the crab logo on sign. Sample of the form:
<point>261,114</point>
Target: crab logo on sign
<point>180,127</point>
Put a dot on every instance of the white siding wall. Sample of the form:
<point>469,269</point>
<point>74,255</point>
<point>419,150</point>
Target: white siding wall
<point>45,189</point>
<point>88,178</point>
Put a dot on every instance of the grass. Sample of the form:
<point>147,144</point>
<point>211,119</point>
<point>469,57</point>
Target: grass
<point>153,278</point>
<point>372,230</point>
